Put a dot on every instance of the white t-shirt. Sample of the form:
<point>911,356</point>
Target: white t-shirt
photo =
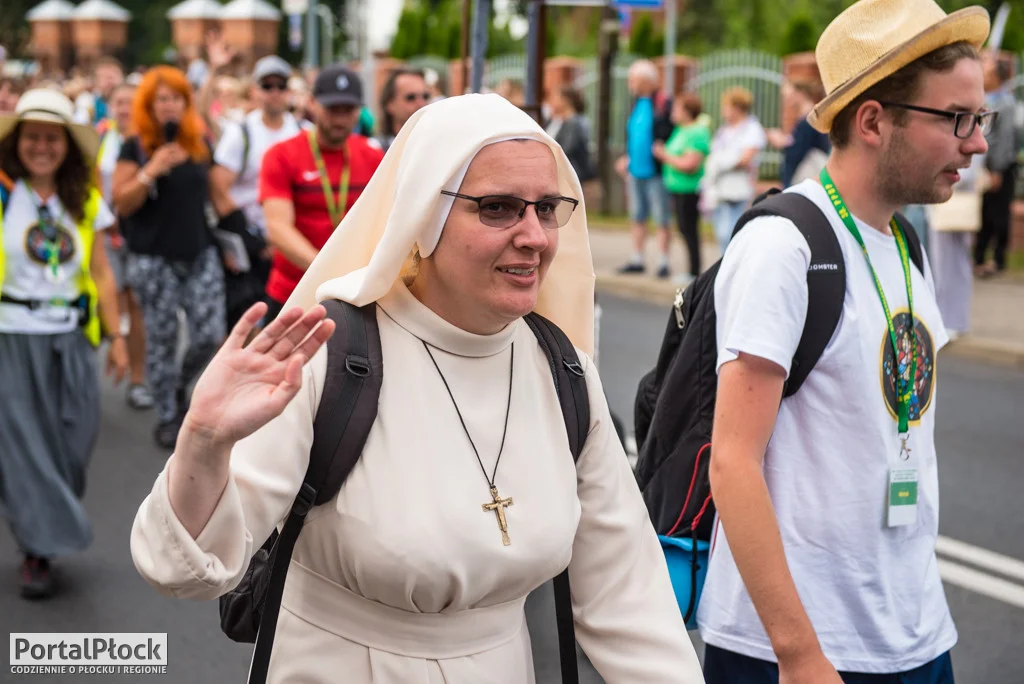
<point>27,275</point>
<point>110,150</point>
<point>245,190</point>
<point>873,593</point>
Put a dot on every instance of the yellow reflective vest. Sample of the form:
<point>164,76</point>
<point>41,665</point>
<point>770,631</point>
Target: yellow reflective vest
<point>86,285</point>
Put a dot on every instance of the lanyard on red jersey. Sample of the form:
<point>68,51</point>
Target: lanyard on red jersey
<point>336,206</point>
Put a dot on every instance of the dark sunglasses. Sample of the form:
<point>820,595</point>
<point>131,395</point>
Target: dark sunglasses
<point>274,85</point>
<point>412,97</point>
<point>964,123</point>
<point>505,211</point>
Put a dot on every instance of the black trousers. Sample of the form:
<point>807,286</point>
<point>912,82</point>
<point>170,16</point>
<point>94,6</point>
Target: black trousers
<point>725,667</point>
<point>688,219</point>
<point>995,221</point>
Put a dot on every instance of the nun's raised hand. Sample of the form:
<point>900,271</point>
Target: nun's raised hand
<point>245,387</point>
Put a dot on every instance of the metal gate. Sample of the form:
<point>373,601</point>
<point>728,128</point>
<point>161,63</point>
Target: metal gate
<point>758,72</point>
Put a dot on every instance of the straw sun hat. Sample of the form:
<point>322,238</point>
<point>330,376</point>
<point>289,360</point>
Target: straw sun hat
<point>50,106</point>
<point>874,39</point>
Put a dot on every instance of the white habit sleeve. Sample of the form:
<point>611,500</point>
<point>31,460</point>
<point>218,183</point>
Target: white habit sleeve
<point>625,611</point>
<point>267,469</point>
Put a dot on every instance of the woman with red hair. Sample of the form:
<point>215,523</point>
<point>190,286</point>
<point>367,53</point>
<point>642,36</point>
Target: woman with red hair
<point>161,189</point>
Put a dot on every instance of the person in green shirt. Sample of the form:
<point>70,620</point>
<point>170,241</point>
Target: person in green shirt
<point>682,158</point>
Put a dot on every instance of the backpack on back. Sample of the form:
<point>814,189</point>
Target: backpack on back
<point>348,409</point>
<point>675,402</point>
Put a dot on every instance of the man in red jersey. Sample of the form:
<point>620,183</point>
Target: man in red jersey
<point>308,182</point>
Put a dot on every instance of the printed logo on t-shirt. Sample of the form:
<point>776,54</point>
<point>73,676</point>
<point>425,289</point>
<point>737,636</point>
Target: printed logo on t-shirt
<point>38,245</point>
<point>924,379</point>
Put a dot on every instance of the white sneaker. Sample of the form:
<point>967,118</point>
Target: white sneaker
<point>139,397</point>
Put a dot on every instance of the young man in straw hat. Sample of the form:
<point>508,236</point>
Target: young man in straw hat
<point>823,569</point>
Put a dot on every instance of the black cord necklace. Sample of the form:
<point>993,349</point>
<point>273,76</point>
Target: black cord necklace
<point>497,504</point>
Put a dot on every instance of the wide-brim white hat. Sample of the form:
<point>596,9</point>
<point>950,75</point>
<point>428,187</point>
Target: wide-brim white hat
<point>873,39</point>
<point>51,106</point>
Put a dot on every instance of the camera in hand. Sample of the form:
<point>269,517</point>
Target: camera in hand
<point>170,131</point>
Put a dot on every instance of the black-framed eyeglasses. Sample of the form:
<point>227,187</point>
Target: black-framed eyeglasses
<point>412,97</point>
<point>964,123</point>
<point>505,211</point>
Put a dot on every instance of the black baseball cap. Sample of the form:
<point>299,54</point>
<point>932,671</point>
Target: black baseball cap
<point>338,85</point>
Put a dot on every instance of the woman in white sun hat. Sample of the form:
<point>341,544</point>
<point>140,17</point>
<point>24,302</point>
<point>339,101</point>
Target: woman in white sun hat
<point>55,286</point>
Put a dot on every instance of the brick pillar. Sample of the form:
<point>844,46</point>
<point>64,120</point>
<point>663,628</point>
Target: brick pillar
<point>558,72</point>
<point>51,44</point>
<point>94,38</point>
<point>382,68</point>
<point>801,66</point>
<point>252,38</point>
<point>683,68</point>
<point>455,84</point>
<point>189,35</point>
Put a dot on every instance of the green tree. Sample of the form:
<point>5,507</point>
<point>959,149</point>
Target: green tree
<point>434,27</point>
<point>801,35</point>
<point>641,38</point>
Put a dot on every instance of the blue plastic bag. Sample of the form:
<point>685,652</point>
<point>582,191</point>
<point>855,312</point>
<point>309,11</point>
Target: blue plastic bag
<point>680,557</point>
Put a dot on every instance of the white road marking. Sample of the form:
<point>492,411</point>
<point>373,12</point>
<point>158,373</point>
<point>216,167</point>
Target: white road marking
<point>982,583</point>
<point>981,558</point>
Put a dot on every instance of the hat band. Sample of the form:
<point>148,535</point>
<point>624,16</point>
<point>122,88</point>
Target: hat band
<point>44,111</point>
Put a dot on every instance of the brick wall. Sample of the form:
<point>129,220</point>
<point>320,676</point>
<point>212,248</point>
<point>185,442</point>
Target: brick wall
<point>51,44</point>
<point>188,35</point>
<point>252,38</point>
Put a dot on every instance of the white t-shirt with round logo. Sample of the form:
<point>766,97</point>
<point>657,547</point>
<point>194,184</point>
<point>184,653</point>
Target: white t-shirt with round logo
<point>27,274</point>
<point>229,154</point>
<point>873,592</point>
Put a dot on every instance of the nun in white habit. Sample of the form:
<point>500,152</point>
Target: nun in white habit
<point>401,577</point>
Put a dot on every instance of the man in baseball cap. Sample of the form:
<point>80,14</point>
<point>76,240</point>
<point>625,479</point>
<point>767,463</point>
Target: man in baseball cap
<point>309,181</point>
<point>823,569</point>
<point>235,177</point>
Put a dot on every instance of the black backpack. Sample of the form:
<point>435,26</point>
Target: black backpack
<point>675,402</point>
<point>352,385</point>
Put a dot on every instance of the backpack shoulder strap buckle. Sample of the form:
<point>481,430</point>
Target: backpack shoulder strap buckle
<point>574,367</point>
<point>304,500</point>
<point>358,366</point>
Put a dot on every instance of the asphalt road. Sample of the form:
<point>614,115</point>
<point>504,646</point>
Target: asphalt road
<point>980,435</point>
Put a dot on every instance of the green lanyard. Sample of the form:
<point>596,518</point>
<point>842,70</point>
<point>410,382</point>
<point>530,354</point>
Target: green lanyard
<point>336,212</point>
<point>51,231</point>
<point>904,390</point>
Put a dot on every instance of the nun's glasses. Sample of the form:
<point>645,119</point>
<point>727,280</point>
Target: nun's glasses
<point>505,211</point>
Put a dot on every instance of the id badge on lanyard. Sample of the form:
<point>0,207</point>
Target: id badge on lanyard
<point>901,490</point>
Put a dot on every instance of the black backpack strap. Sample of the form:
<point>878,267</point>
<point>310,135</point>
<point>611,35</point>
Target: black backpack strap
<point>913,242</point>
<point>351,389</point>
<point>826,277</point>
<point>571,386</point>
<point>570,381</point>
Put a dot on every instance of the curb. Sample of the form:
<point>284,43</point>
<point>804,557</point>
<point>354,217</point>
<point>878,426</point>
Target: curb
<point>663,293</point>
<point>637,287</point>
<point>987,351</point>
